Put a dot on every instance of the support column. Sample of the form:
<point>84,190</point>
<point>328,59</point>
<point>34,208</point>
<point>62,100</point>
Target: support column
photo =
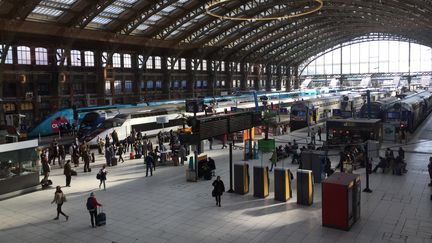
<point>2,67</point>
<point>279,78</point>
<point>190,83</point>
<point>244,77</point>
<point>288,83</point>
<point>268,78</point>
<point>54,82</point>
<point>166,82</point>
<point>211,82</point>
<point>100,78</point>
<point>136,90</point>
<point>229,78</point>
<point>295,77</point>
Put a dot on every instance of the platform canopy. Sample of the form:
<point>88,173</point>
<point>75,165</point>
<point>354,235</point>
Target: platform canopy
<point>185,27</point>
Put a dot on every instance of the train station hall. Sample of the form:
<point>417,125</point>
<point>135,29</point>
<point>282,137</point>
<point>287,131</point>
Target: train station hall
<point>298,121</point>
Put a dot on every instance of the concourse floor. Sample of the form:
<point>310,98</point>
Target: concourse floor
<point>166,208</point>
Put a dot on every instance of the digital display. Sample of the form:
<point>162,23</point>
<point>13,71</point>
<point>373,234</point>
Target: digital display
<point>393,115</point>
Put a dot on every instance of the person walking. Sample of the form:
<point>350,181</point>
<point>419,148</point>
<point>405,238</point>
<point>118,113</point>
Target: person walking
<point>59,199</point>
<point>86,156</point>
<point>102,177</point>
<point>45,166</point>
<point>273,160</point>
<point>182,154</point>
<point>67,171</point>
<point>149,161</point>
<point>218,190</point>
<point>92,205</point>
<point>120,153</point>
<point>312,136</point>
<point>430,171</point>
<point>319,133</point>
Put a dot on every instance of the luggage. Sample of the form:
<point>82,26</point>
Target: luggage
<point>138,156</point>
<point>101,219</point>
<point>131,156</point>
<point>114,161</point>
<point>45,183</point>
<point>74,173</point>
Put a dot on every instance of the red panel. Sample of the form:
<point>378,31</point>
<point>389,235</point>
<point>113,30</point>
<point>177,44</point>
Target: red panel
<point>334,205</point>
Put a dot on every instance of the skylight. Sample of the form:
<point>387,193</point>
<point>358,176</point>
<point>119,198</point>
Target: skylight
<point>113,11</point>
<point>48,11</point>
<point>51,8</point>
<point>101,20</point>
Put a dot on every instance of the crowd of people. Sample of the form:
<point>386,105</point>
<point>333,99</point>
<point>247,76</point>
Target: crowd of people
<point>396,165</point>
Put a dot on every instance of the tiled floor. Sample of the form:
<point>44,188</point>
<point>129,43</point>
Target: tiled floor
<point>166,208</point>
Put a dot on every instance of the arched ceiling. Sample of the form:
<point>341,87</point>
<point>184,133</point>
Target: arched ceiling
<point>182,26</point>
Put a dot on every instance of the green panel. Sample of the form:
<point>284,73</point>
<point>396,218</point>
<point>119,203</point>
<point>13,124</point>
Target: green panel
<point>266,145</point>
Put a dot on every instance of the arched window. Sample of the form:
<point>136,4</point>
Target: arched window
<point>23,53</point>
<point>149,62</point>
<point>157,63</point>
<point>127,61</point>
<point>75,58</point>
<point>89,59</point>
<point>41,56</point>
<point>116,60</point>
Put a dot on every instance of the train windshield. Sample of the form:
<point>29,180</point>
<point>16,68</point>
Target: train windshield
<point>298,113</point>
<point>393,115</point>
<point>89,119</point>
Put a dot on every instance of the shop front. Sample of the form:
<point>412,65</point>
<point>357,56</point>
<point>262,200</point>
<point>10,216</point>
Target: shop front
<point>18,167</point>
<point>350,131</point>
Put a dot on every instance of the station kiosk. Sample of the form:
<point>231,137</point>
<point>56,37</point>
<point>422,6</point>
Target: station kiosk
<point>305,187</point>
<point>241,178</point>
<point>312,160</point>
<point>282,184</point>
<point>261,181</point>
<point>341,200</point>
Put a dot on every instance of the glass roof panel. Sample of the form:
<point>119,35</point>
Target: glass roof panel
<point>113,11</point>
<point>49,9</point>
<point>101,20</point>
<point>154,18</point>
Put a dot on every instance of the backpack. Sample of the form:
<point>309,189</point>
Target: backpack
<point>89,204</point>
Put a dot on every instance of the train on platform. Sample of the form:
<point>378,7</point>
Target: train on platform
<point>87,119</point>
<point>312,111</point>
<point>409,112</point>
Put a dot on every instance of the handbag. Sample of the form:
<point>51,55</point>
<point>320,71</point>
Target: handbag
<point>214,193</point>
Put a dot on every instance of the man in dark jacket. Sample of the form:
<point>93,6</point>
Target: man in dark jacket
<point>149,164</point>
<point>218,190</point>
<point>115,138</point>
<point>67,171</point>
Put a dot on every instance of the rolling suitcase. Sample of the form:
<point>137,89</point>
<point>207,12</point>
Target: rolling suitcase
<point>114,161</point>
<point>101,218</point>
<point>138,156</point>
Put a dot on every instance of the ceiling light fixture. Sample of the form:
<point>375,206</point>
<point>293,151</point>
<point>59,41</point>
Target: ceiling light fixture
<point>210,11</point>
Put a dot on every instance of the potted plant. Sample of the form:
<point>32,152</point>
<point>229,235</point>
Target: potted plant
<point>269,121</point>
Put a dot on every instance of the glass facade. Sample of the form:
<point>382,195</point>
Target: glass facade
<point>372,57</point>
<point>18,166</point>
